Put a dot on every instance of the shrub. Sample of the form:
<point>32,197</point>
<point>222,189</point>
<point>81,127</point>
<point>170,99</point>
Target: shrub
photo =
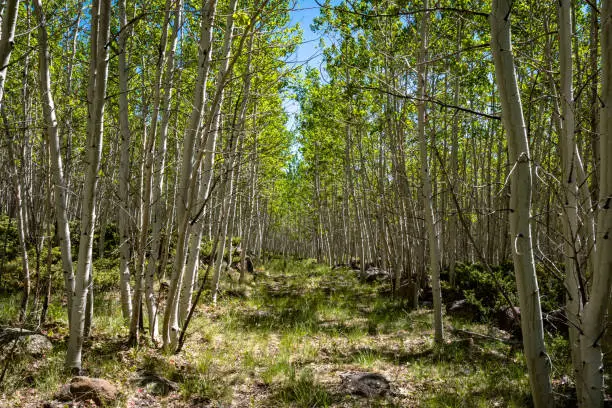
<point>106,274</point>
<point>475,283</point>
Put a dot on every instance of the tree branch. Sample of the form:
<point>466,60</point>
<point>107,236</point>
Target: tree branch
<point>432,100</point>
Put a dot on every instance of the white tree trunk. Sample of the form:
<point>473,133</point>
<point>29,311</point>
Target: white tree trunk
<point>211,141</point>
<point>146,189</point>
<point>67,130</point>
<point>124,170</point>
<point>100,34</point>
<point>211,127</point>
<point>7,40</point>
<point>427,198</point>
<point>158,212</point>
<point>199,96</point>
<point>594,313</point>
<point>193,260</point>
<point>570,189</point>
<point>21,229</point>
<point>520,206</point>
<point>51,131</point>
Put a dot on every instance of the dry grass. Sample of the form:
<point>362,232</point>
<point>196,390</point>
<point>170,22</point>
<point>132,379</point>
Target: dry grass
<point>287,344</point>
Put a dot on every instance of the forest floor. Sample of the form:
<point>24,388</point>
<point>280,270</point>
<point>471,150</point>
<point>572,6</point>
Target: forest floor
<point>291,338</point>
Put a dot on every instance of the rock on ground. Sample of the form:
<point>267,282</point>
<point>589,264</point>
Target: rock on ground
<point>509,319</point>
<point>464,309</point>
<point>365,384</point>
<point>154,383</point>
<point>374,274</point>
<point>101,391</point>
<point>23,342</point>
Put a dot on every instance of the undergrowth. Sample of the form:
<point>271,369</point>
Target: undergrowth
<point>285,340</point>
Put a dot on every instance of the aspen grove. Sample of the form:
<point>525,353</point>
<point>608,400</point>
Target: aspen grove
<point>180,179</point>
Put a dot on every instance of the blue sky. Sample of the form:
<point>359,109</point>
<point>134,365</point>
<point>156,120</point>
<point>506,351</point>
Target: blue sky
<point>308,52</point>
<point>304,14</point>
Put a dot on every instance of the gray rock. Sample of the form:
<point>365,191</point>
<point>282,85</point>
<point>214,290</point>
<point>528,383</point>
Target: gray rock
<point>23,342</point>
<point>464,309</point>
<point>154,383</point>
<point>365,384</point>
<point>64,393</point>
<point>373,274</point>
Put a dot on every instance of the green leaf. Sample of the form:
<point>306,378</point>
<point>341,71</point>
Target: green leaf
<point>241,19</point>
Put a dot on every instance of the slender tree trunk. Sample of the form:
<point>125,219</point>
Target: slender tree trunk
<point>453,223</point>
<point>434,249</point>
<point>594,98</point>
<point>193,260</point>
<point>143,222</point>
<point>124,170</point>
<point>7,40</point>
<point>594,313</point>
<point>147,187</point>
<point>68,127</point>
<point>49,280</point>
<point>21,233</point>
<point>199,96</point>
<point>520,204</point>
<point>213,125</point>
<point>247,244</point>
<point>159,208</point>
<point>100,33</point>
<point>570,190</point>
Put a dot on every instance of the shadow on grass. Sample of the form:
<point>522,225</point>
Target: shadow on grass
<point>301,390</point>
<point>456,352</point>
<point>288,315</point>
<point>335,305</point>
<point>100,348</point>
<point>464,372</point>
<point>496,394</point>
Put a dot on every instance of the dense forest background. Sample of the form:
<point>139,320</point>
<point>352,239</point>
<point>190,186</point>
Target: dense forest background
<point>454,154</point>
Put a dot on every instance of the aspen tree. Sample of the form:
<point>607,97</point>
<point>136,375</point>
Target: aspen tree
<point>432,236</point>
<point>185,178</point>
<point>211,127</point>
<point>538,364</point>
<point>158,211</point>
<point>51,131</point>
<point>232,151</point>
<point>7,39</point>
<point>100,34</point>
<point>594,312</point>
<point>124,169</point>
<point>569,164</point>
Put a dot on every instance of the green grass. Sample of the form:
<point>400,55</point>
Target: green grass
<point>300,389</point>
<point>285,341</point>
<point>202,384</point>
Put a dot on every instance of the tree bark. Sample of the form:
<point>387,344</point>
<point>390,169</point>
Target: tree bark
<point>124,170</point>
<point>538,363</point>
<point>594,313</point>
<point>100,34</point>
<point>199,96</point>
<point>434,249</point>
<point>7,40</point>
<point>569,186</point>
<point>158,211</point>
